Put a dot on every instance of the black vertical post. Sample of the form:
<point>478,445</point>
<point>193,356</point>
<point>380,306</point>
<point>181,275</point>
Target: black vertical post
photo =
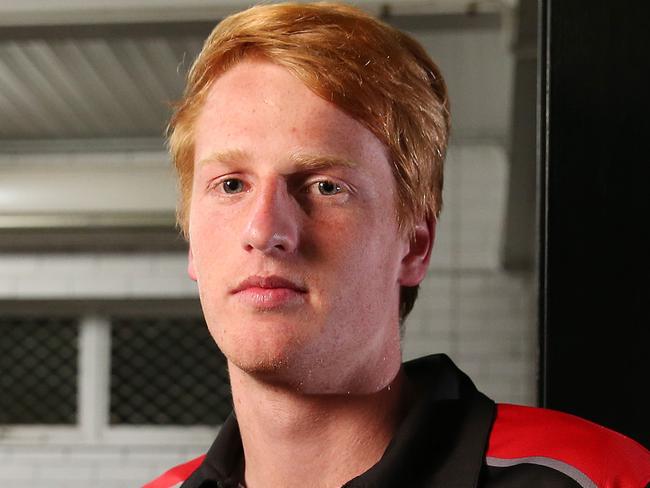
<point>594,151</point>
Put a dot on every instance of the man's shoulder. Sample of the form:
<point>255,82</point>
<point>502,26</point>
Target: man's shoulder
<point>529,443</point>
<point>175,476</point>
<point>587,452</point>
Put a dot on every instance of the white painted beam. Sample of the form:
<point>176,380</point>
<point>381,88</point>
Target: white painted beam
<point>87,184</point>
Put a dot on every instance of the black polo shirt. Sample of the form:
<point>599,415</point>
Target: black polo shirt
<point>453,436</point>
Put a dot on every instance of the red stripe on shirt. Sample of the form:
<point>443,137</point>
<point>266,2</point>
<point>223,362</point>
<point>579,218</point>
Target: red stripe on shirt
<point>609,459</point>
<point>176,474</point>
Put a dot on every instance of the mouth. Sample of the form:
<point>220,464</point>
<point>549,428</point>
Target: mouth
<point>270,292</point>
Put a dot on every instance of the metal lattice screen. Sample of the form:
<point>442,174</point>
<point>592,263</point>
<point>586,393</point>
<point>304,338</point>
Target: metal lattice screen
<point>38,370</point>
<point>166,371</point>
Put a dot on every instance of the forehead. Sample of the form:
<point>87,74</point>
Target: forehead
<point>259,104</point>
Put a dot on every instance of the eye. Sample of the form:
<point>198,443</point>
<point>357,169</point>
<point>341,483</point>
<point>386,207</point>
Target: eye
<point>232,185</point>
<point>328,188</point>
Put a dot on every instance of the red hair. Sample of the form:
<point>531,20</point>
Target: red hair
<point>376,74</point>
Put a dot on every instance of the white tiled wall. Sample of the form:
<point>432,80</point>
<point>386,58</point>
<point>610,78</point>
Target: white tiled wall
<point>483,321</point>
<point>83,466</point>
<point>468,307</point>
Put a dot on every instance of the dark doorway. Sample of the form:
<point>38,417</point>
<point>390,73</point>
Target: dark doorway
<point>595,212</point>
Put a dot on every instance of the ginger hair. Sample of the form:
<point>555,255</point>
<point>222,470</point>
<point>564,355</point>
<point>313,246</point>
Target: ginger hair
<point>374,73</point>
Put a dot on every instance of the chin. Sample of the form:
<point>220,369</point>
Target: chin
<point>265,368</point>
<point>283,371</point>
<point>259,361</point>
<point>259,352</point>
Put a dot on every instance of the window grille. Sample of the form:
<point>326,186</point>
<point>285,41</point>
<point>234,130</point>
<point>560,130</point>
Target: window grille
<point>38,370</point>
<point>166,371</point>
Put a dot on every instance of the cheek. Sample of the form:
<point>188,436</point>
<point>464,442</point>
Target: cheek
<point>358,254</point>
<point>212,246</point>
<point>213,225</point>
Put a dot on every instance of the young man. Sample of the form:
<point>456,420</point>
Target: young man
<point>309,146</point>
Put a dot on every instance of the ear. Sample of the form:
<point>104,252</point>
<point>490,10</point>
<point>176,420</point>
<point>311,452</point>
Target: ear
<point>190,265</point>
<point>416,261</point>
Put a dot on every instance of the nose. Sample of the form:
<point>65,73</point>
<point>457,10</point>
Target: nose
<point>273,225</point>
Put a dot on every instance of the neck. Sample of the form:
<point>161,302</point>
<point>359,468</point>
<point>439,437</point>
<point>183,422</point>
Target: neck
<point>291,439</point>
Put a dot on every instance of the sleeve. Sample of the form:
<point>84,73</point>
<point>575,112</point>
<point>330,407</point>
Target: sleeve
<point>176,475</point>
<point>589,453</point>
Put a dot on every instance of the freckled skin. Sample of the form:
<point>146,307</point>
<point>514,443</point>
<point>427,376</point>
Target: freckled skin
<point>345,249</point>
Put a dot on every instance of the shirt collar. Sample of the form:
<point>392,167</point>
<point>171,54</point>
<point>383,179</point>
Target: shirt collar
<point>442,440</point>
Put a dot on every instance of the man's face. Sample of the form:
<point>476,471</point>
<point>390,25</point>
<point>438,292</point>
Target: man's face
<point>294,241</point>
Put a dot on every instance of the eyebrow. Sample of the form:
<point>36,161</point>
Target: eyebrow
<point>320,161</point>
<point>304,161</point>
<point>225,157</point>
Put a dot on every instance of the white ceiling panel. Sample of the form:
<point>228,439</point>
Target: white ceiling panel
<point>72,83</point>
<point>118,80</point>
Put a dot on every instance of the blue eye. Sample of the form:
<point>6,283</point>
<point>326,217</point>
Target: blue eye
<point>232,185</point>
<point>328,188</point>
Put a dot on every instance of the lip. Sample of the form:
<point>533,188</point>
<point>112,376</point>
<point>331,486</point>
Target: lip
<point>269,292</point>
<point>269,283</point>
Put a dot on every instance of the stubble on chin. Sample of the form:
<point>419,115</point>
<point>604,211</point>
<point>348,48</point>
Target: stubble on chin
<point>274,360</point>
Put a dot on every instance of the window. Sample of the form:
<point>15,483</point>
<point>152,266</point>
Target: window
<point>110,373</point>
<point>38,370</point>
<point>166,371</point>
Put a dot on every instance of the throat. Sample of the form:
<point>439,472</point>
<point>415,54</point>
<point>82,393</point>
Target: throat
<point>317,441</point>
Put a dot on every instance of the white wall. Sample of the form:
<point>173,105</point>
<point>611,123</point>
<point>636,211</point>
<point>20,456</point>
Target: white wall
<point>468,306</point>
